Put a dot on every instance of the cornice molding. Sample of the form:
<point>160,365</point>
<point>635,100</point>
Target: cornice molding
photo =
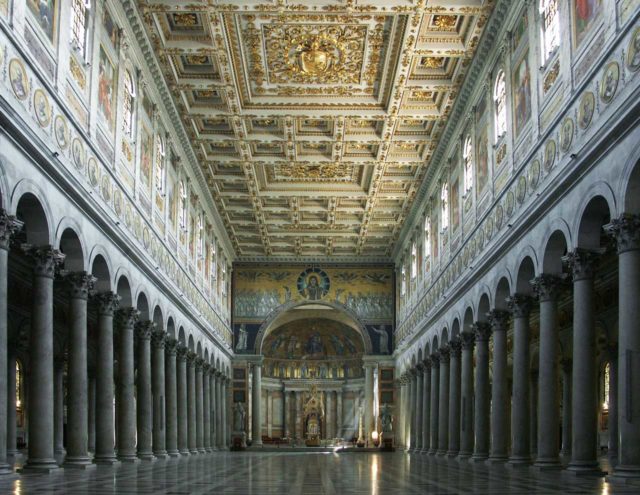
<point>137,26</point>
<point>493,29</point>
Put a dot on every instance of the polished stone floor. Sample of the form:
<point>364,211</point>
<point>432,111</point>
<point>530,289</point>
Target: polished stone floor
<point>309,473</point>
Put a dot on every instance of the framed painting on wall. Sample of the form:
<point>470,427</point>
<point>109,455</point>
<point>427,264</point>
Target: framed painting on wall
<point>45,14</point>
<point>585,14</point>
<point>107,82</point>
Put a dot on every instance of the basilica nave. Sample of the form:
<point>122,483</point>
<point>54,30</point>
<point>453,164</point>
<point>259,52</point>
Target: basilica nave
<point>332,246</point>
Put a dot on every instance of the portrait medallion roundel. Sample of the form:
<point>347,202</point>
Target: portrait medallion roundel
<point>313,284</point>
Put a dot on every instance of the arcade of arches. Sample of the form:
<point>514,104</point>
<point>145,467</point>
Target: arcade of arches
<point>235,236</point>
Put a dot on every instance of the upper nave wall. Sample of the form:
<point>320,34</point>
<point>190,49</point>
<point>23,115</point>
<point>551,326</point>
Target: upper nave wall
<point>549,93</point>
<point>77,82</point>
<point>87,128</point>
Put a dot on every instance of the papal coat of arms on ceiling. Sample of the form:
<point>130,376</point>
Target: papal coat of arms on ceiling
<point>315,54</point>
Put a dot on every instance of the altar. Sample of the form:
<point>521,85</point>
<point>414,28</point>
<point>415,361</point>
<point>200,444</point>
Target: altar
<point>313,412</point>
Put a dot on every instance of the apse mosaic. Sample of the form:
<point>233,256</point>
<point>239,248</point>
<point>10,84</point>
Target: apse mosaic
<point>313,348</point>
<point>368,292</point>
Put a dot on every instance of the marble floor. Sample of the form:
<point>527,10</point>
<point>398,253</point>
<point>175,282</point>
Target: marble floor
<point>306,474</point>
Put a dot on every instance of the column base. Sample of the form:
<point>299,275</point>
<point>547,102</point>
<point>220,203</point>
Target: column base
<point>202,450</point>
<point>173,453</point>
<point>193,451</point>
<point>585,468</point>
<point>624,474</point>
<point>185,453</point>
<point>40,466</point>
<point>547,464</point>
<point>129,459</point>
<point>432,452</point>
<point>208,450</point>
<point>424,451</point>
<point>497,459</point>
<point>479,458</point>
<point>80,462</point>
<point>519,461</point>
<point>7,472</point>
<point>106,461</point>
<point>452,454</point>
<point>161,454</point>
<point>146,456</point>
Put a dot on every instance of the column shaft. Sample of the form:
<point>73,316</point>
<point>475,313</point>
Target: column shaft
<point>144,410</point>
<point>567,365</point>
<point>200,406</point>
<point>158,383</point>
<point>256,402</point>
<point>286,406</point>
<point>368,403</point>
<point>12,443</point>
<point>466,396</point>
<point>91,416</point>
<point>626,230</point>
<point>443,403</point>
<point>426,406</point>
<point>78,398</point>
<point>191,403</point>
<point>182,404</point>
<point>339,414</point>
<point>212,409</point>
<point>206,408</point>
<point>171,391</point>
<point>58,409</point>
<point>105,426</point>
<point>412,409</point>
<point>520,450</point>
<point>435,400</point>
<point>418,408</point>
<point>481,427</point>
<point>219,410</point>
<point>41,398</point>
<point>126,395</point>
<point>499,392</point>
<point>454,398</point>
<point>584,457</point>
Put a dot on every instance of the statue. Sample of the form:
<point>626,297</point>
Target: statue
<point>241,345</point>
<point>386,422</point>
<point>386,418</point>
<point>238,417</point>
<point>383,339</point>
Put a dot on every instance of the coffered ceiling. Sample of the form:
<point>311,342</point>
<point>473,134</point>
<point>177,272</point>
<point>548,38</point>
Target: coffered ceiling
<point>314,122</point>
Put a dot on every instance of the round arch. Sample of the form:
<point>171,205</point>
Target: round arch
<point>285,313</point>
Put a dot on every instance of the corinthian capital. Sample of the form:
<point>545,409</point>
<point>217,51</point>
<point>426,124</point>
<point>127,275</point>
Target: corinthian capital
<point>499,319</point>
<point>46,259</point>
<point>520,305</point>
<point>482,331</point>
<point>468,340</point>
<point>582,263</point>
<point>79,283</point>
<point>170,346</point>
<point>455,347</point>
<point>108,302</point>
<point>547,286</point>
<point>9,227</point>
<point>626,232</point>
<point>144,329</point>
<point>127,317</point>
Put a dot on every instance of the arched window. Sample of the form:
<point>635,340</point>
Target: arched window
<point>128,105</point>
<point>183,206</point>
<point>223,277</point>
<point>200,237</point>
<point>159,168</point>
<point>549,28</point>
<point>79,22</point>
<point>444,205</point>
<point>500,104</point>
<point>414,260</point>
<point>467,155</point>
<point>403,280</point>
<point>427,240</point>
<point>212,262</point>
